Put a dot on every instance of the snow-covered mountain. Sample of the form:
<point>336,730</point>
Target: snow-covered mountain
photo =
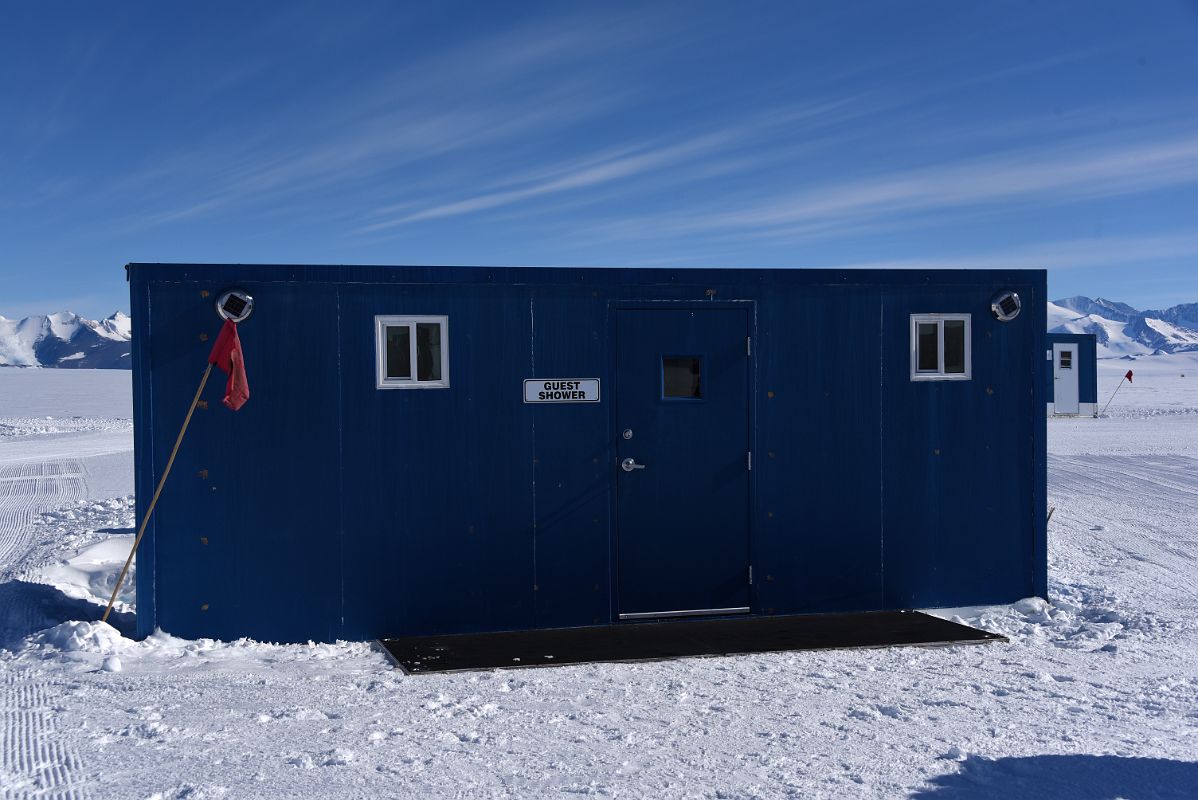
<point>66,340</point>
<point>1107,309</point>
<point>1122,330</point>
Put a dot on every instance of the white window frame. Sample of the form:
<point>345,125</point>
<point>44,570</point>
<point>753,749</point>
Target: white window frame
<point>940,374</point>
<point>381,324</point>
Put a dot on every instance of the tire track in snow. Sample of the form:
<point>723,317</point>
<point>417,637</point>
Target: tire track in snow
<point>27,489</point>
<point>1126,513</point>
<point>35,760</point>
<point>1155,495</point>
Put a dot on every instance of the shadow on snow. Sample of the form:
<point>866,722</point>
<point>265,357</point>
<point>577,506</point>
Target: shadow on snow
<point>27,608</point>
<point>1058,776</point>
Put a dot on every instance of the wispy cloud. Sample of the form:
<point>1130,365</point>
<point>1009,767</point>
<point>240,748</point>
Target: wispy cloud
<point>737,148</point>
<point>468,114</point>
<point>1056,255</point>
<point>476,96</point>
<point>1084,171</point>
<point>605,171</point>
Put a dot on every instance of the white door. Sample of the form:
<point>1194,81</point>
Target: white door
<point>1064,373</point>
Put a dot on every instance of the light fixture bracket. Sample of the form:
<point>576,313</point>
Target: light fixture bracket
<point>1006,305</point>
<point>234,305</point>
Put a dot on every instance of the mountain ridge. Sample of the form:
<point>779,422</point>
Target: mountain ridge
<point>64,340</point>
<point>1122,330</point>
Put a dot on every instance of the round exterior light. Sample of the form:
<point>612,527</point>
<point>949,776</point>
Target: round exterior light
<point>1006,306</point>
<point>235,305</point>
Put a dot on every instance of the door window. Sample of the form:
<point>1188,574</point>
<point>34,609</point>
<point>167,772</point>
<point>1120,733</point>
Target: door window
<point>682,376</point>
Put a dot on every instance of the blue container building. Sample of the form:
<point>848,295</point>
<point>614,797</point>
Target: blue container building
<point>1072,360</point>
<point>432,450</point>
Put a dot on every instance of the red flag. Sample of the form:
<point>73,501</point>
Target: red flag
<point>226,354</point>
<point>1128,376</point>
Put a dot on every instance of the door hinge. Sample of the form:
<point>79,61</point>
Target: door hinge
<point>749,346</point>
<point>749,460</point>
<point>750,574</point>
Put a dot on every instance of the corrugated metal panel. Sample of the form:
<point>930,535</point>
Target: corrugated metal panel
<point>574,460</point>
<point>247,534</point>
<point>819,478</point>
<point>438,483</point>
<point>957,458</point>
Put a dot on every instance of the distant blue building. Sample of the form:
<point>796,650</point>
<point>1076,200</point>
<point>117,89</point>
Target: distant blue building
<point>434,449</point>
<point>1072,374</point>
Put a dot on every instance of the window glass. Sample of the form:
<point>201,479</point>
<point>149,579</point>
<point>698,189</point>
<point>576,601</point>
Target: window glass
<point>929,356</point>
<point>681,376</point>
<point>1066,359</point>
<point>399,353</point>
<point>428,351</point>
<point>954,346</point>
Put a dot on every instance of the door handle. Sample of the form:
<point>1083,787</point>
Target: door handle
<point>629,464</point>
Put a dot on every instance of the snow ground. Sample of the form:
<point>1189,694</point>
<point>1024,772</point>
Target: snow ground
<point>1095,696</point>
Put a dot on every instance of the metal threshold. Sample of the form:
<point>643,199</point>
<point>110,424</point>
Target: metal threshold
<point>690,612</point>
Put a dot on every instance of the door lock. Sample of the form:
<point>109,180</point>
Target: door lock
<point>629,464</point>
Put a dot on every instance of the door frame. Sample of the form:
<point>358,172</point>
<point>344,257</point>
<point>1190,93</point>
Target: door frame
<point>613,327</point>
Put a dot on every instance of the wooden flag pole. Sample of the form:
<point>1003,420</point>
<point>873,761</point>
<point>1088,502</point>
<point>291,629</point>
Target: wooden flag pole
<point>1108,402</point>
<point>161,481</point>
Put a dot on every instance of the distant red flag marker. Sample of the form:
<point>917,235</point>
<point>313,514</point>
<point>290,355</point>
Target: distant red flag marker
<point>226,354</point>
<point>1128,376</point>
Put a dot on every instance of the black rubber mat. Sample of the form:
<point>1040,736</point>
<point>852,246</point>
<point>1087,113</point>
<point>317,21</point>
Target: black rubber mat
<point>654,641</point>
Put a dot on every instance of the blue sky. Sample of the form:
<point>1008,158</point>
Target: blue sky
<point>1058,135</point>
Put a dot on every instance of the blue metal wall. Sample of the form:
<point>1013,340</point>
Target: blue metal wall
<point>330,509</point>
<point>1087,367</point>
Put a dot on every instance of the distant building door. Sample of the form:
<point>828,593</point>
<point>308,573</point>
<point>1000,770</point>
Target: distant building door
<point>1064,373</point>
<point>682,463</point>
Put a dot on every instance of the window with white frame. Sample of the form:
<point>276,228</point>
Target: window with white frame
<point>940,347</point>
<point>412,352</point>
